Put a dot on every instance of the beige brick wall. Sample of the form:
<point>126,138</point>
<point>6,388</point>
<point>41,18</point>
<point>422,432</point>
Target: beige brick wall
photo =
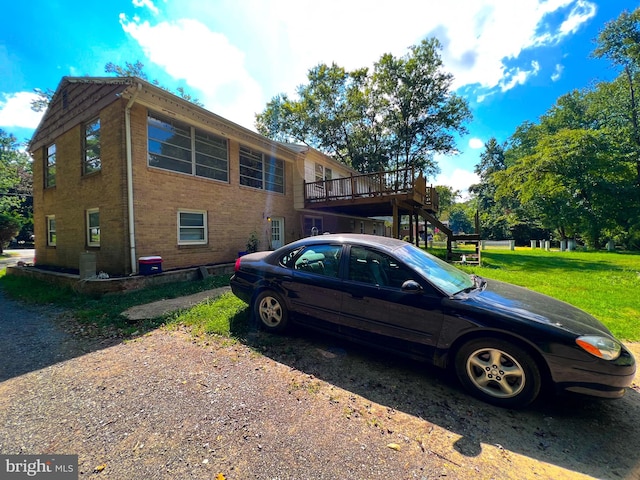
<point>74,193</point>
<point>233,211</point>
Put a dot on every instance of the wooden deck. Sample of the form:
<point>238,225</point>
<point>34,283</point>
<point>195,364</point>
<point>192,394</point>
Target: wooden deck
<point>372,194</point>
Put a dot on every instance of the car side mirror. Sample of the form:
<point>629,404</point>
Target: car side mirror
<point>411,286</point>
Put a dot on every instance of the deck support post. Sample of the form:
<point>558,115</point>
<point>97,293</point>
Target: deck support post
<point>396,221</point>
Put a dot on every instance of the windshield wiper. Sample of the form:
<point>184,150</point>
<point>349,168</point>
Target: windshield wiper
<point>478,282</point>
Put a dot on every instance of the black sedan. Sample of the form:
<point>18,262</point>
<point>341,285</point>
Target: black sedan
<point>504,342</point>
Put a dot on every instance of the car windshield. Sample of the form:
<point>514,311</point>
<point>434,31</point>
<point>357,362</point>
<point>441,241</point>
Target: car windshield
<point>446,277</point>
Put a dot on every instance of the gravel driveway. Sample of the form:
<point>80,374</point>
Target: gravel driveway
<point>161,406</point>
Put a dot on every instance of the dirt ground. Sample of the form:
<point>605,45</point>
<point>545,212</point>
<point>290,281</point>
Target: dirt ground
<point>163,406</point>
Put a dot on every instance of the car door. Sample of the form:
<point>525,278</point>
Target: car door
<point>315,293</point>
<point>376,308</point>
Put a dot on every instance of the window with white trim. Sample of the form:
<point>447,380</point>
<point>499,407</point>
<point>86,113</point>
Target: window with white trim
<point>51,230</point>
<point>93,227</point>
<point>192,227</point>
<point>261,171</point>
<point>178,147</point>
<point>50,166</point>
<point>92,162</point>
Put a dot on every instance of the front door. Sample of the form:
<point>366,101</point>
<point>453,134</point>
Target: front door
<point>277,232</point>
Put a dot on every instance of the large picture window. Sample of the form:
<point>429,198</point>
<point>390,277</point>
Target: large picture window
<point>51,230</point>
<point>178,147</point>
<point>261,171</point>
<point>93,227</point>
<point>192,227</point>
<point>92,162</point>
<point>50,166</point>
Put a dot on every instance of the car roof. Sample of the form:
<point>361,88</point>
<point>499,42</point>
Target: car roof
<point>386,243</point>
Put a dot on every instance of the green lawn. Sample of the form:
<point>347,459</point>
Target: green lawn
<point>607,285</point>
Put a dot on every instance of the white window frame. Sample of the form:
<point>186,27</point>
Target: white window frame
<point>204,228</point>
<point>90,242</point>
<point>51,232</point>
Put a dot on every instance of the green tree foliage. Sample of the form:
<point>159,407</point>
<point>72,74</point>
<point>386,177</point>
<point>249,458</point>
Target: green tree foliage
<point>16,201</point>
<point>572,182</point>
<point>10,225</point>
<point>397,116</point>
<point>619,42</point>
<point>575,173</point>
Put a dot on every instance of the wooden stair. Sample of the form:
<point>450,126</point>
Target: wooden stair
<point>454,255</point>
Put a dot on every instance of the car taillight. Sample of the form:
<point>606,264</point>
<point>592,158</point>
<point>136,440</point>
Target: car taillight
<point>237,265</point>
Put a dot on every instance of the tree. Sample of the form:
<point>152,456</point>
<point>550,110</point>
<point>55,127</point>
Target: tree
<point>619,41</point>
<point>9,227</point>
<point>16,188</point>
<point>397,116</point>
<point>573,182</point>
<point>420,111</point>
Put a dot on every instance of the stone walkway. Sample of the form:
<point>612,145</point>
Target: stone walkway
<point>162,307</point>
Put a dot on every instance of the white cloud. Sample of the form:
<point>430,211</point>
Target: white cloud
<point>206,61</point>
<point>555,76</point>
<point>238,55</point>
<point>476,143</point>
<point>15,110</point>
<point>146,3</point>
<point>518,77</point>
<point>459,179</point>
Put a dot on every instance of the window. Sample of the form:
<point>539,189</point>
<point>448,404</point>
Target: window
<point>192,227</point>
<point>320,259</point>
<point>319,173</point>
<point>312,226</point>
<point>51,230</point>
<point>93,227</point>
<point>50,166</point>
<point>377,268</point>
<point>261,171</point>
<point>92,162</point>
<point>180,148</point>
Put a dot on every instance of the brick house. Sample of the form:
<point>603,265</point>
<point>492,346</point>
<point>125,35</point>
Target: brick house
<point>125,169</point>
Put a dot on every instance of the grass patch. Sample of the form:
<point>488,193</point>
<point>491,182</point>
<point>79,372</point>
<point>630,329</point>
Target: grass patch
<point>106,310</point>
<point>226,315</point>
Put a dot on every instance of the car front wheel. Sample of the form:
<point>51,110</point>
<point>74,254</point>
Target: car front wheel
<point>270,309</point>
<point>498,372</point>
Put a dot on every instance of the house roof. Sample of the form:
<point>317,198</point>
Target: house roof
<point>75,100</point>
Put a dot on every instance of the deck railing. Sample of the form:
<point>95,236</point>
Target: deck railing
<point>377,184</point>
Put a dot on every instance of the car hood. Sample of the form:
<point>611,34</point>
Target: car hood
<point>518,302</point>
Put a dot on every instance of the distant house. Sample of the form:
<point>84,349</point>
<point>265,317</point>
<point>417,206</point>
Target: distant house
<point>125,170</point>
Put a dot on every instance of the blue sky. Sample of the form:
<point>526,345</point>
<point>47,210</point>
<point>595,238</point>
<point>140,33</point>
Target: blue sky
<point>511,59</point>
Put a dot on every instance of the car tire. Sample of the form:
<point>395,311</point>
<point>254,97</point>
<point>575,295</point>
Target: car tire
<point>271,311</point>
<point>498,372</point>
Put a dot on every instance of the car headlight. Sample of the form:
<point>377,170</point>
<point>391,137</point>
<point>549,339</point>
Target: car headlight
<point>601,347</point>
